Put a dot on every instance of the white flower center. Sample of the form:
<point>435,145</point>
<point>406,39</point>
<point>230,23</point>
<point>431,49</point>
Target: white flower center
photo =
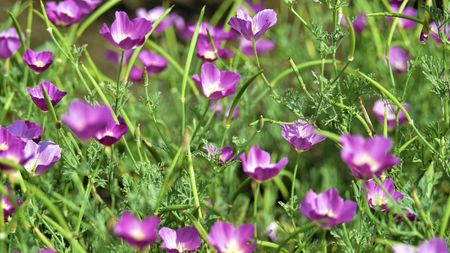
<point>39,64</point>
<point>209,55</point>
<point>137,234</point>
<point>180,248</point>
<point>3,147</point>
<point>366,159</point>
<point>210,88</point>
<point>107,134</point>
<point>233,247</point>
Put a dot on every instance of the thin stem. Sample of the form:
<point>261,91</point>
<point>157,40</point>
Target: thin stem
<point>193,183</point>
<point>255,208</point>
<point>297,161</point>
<point>116,103</point>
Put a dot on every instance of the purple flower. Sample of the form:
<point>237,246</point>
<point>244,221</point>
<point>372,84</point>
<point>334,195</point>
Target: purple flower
<point>137,233</point>
<point>219,109</point>
<point>398,59</point>
<point>26,130</point>
<point>327,208</point>
<point>226,153</point>
<point>42,156</point>
<point>367,157</point>
<point>125,33</point>
<point>182,240</point>
<point>205,50</point>
<point>434,31</point>
<point>11,148</point>
<point>216,84</point>
<point>301,136</point>
<point>136,74</point>
<point>64,13</point>
<point>404,23</point>
<point>224,237</point>
<point>87,6</point>
<point>114,57</point>
<point>435,245</point>
<point>376,197</point>
<point>152,62</point>
<point>359,23</point>
<point>253,28</point>
<point>7,206</point>
<point>409,215</point>
<point>86,120</point>
<point>112,132</point>
<point>181,27</point>
<point>217,33</point>
<point>37,95</point>
<point>256,7</point>
<point>9,43</point>
<point>153,15</point>
<point>38,61</point>
<point>262,46</point>
<point>391,113</point>
<point>258,166</point>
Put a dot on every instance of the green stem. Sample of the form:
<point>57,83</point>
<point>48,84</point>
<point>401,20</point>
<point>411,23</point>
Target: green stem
<point>255,208</point>
<point>193,183</point>
<point>445,218</point>
<point>116,103</point>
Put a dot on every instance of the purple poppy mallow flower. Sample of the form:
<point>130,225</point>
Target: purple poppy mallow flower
<point>434,245</point>
<point>367,157</point>
<point>253,28</point>
<point>138,234</point>
<point>406,24</point>
<point>87,120</point>
<point>379,108</point>
<point>26,130</point>
<point>216,32</point>
<point>125,33</point>
<point>153,15</point>
<point>7,206</point>
<point>87,6</point>
<point>258,166</point>
<point>181,27</point>
<point>42,156</point>
<point>181,240</point>
<point>136,74</point>
<point>64,13</point>
<point>216,84</point>
<point>217,108</point>
<point>301,136</point>
<point>434,31</point>
<point>11,149</point>
<point>226,154</point>
<point>399,59</point>
<point>112,133</point>
<point>47,251</point>
<point>152,62</point>
<point>38,61</point>
<point>262,46</point>
<point>9,43</point>
<point>359,23</point>
<point>37,95</point>
<point>376,197</point>
<point>205,50</point>
<point>328,209</point>
<point>225,238</point>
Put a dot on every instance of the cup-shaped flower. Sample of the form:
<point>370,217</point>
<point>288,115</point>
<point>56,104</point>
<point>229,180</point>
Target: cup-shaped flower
<point>226,154</point>
<point>42,156</point>
<point>301,136</point>
<point>112,132</point>
<point>153,15</point>
<point>38,61</point>
<point>37,95</point>
<point>216,84</point>
<point>253,28</point>
<point>181,240</point>
<point>26,130</point>
<point>376,197</point>
<point>367,157</point>
<point>443,29</point>
<point>205,50</point>
<point>359,23</point>
<point>125,33</point>
<point>9,43</point>
<point>406,24</point>
<point>327,208</point>
<point>64,13</point>
<point>225,238</point>
<point>435,245</point>
<point>7,206</point>
<point>86,120</point>
<point>138,234</point>
<point>11,149</point>
<point>258,165</point>
<point>262,46</point>
<point>399,60</point>
<point>379,108</point>
<point>152,62</point>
